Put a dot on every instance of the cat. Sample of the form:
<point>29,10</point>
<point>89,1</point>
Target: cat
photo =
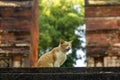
<point>56,57</point>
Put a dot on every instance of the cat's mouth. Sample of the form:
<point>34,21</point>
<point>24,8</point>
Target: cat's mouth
<point>67,49</point>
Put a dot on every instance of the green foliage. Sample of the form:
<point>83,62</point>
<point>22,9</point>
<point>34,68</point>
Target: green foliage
<point>58,19</point>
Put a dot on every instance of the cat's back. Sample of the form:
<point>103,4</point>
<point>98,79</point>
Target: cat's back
<point>47,58</point>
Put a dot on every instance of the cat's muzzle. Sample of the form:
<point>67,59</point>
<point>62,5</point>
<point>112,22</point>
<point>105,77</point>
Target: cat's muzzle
<point>68,48</point>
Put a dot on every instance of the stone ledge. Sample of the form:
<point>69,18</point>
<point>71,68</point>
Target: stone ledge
<point>60,76</point>
<point>62,70</point>
<point>100,73</point>
<point>47,76</point>
<point>16,3</point>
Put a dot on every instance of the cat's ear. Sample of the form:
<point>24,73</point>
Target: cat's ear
<point>61,41</point>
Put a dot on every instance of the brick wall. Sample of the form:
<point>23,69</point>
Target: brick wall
<point>102,24</point>
<point>19,32</point>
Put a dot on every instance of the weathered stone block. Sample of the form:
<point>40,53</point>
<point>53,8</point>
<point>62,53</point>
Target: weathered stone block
<point>102,23</point>
<point>17,12</point>
<point>101,39</point>
<point>102,11</point>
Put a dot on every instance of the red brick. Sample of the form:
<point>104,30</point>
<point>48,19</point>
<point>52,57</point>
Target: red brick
<point>102,23</point>
<point>102,38</point>
<point>15,12</point>
<point>101,11</point>
<point>11,38</point>
<point>14,24</point>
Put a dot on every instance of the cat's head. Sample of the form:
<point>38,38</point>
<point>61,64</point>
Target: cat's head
<point>65,45</point>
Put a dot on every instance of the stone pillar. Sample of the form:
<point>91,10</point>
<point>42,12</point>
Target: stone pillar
<point>103,30</point>
<point>34,34</point>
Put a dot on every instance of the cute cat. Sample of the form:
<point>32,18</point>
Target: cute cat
<point>56,57</point>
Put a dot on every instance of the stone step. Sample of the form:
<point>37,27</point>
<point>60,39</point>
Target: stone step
<point>59,74</point>
<point>62,70</point>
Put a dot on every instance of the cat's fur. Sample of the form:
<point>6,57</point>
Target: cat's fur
<point>56,57</point>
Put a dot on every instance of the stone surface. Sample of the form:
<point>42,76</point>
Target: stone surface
<point>18,27</point>
<point>102,11</point>
<point>60,73</point>
<point>62,70</point>
<point>102,23</point>
<point>102,32</point>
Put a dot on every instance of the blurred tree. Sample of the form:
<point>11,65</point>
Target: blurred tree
<point>59,19</point>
